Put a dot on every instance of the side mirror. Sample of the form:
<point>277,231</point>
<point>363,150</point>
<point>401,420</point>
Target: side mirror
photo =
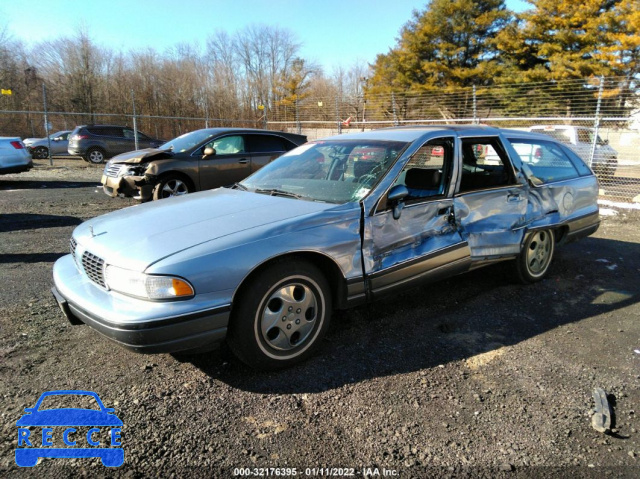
<point>395,198</point>
<point>208,151</point>
<point>605,142</point>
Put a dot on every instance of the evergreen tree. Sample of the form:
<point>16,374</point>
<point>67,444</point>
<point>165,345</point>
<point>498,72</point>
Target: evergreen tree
<point>449,44</point>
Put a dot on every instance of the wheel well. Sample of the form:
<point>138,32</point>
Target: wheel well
<point>561,234</point>
<point>184,177</point>
<point>327,266</point>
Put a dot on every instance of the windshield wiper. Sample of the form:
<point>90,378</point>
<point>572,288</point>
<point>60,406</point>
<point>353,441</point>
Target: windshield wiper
<point>277,192</point>
<point>238,186</point>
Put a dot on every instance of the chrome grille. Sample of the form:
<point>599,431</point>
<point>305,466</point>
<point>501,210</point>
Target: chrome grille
<point>94,267</point>
<point>72,249</point>
<point>113,169</point>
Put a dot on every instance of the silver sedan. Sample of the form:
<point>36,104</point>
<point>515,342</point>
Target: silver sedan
<point>331,224</point>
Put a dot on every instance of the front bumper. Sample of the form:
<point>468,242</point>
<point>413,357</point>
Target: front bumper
<point>130,186</point>
<point>141,326</point>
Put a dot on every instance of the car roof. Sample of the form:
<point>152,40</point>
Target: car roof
<point>511,133</point>
<point>69,392</point>
<point>215,131</point>
<point>412,133</point>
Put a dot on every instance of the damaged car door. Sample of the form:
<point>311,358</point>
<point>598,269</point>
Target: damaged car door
<point>491,200</point>
<point>412,236</point>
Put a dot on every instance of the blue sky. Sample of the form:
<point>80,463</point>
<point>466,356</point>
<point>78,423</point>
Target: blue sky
<point>332,32</point>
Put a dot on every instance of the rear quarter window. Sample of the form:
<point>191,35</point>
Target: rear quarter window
<point>578,162</point>
<point>547,161</point>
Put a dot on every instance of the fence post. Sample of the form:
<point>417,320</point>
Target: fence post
<point>46,121</point>
<point>338,120</point>
<point>596,122</point>
<point>475,107</point>
<point>298,125</point>
<point>393,105</point>
<point>206,111</point>
<point>135,123</point>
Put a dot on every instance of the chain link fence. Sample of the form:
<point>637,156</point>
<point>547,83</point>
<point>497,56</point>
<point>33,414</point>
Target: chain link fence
<point>599,118</point>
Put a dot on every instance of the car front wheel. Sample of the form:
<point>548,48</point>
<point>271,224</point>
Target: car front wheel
<point>171,185</point>
<point>535,258</point>
<point>281,315</point>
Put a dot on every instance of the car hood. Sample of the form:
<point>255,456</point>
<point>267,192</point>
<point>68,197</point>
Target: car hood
<point>141,156</point>
<point>138,236</point>
<point>69,417</point>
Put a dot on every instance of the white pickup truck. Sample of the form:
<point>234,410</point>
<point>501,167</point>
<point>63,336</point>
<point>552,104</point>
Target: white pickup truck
<point>580,140</point>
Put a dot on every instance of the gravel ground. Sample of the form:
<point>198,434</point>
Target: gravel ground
<point>473,376</point>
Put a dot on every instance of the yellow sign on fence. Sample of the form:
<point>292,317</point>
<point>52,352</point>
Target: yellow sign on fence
<point>5,92</point>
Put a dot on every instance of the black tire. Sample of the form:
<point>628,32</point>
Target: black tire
<point>41,153</point>
<point>535,258</point>
<point>172,185</point>
<point>280,316</point>
<point>95,156</point>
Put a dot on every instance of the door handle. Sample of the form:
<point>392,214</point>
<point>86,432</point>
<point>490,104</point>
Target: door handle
<point>514,197</point>
<point>243,161</point>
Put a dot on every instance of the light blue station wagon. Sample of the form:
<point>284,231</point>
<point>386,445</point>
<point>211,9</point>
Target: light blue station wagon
<point>331,224</point>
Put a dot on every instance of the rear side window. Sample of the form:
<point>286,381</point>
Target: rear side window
<point>106,131</point>
<point>485,165</point>
<point>268,144</point>
<point>546,160</point>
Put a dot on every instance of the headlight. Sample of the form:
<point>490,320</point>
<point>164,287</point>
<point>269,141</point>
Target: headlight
<point>132,170</point>
<point>146,286</point>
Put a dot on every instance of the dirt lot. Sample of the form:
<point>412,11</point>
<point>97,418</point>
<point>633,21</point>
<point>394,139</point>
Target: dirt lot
<point>474,376</point>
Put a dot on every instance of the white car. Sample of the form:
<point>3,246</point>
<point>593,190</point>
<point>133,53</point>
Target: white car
<point>580,140</point>
<point>14,157</point>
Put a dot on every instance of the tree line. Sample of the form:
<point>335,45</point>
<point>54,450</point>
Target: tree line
<point>244,75</point>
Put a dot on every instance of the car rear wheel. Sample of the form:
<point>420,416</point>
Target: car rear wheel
<point>40,153</point>
<point>95,156</point>
<point>171,185</point>
<point>535,258</point>
<point>281,315</point>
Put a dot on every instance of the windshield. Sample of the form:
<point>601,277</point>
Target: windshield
<point>187,141</point>
<point>336,171</point>
<point>76,401</point>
